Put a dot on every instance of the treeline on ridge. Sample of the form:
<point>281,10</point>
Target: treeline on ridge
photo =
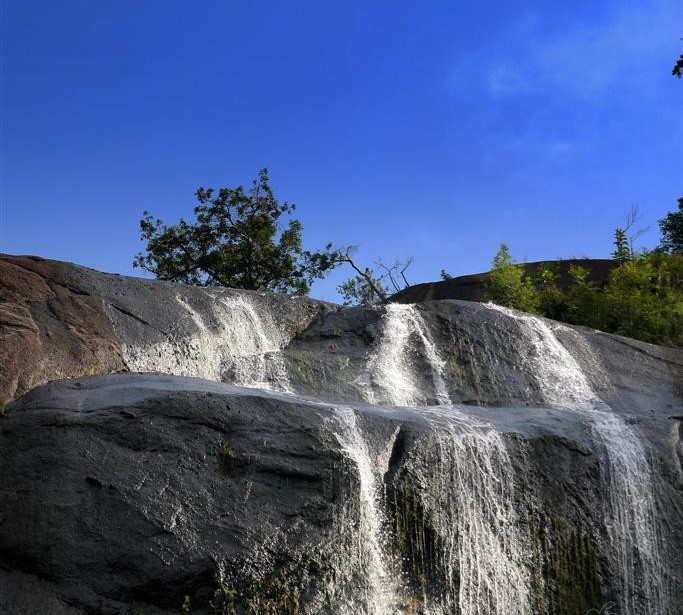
<point>642,297</point>
<point>248,239</point>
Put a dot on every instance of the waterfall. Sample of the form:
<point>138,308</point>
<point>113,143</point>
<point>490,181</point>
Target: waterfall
<point>258,362</point>
<point>468,490</point>
<point>230,342</point>
<point>485,558</point>
<point>373,552</point>
<point>630,510</point>
<point>393,361</point>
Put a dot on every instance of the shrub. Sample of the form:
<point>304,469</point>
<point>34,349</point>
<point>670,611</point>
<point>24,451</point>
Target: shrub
<point>225,456</point>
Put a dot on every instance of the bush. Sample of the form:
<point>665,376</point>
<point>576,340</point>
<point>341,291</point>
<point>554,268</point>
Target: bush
<point>507,285</point>
<point>643,297</point>
<point>225,456</point>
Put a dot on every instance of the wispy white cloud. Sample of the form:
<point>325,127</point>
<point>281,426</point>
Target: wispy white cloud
<point>506,79</point>
<point>586,60</point>
<point>628,48</point>
<point>544,90</point>
<point>552,149</point>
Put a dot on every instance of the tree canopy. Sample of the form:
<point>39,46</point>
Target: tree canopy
<point>642,298</point>
<point>671,227</point>
<point>678,67</point>
<point>507,285</point>
<point>239,239</point>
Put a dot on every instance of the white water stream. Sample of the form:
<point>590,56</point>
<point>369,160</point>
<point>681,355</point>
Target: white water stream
<point>630,506</point>
<point>234,342</point>
<point>382,596</point>
<point>404,336</point>
<point>472,501</point>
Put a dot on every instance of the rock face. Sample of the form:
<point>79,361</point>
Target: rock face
<point>473,287</point>
<point>59,320</point>
<point>157,488</point>
<point>449,457</point>
<point>49,327</point>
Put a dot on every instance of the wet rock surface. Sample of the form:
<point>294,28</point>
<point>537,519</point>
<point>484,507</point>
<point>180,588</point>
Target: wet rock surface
<point>126,489</point>
<point>448,457</point>
<point>129,492</point>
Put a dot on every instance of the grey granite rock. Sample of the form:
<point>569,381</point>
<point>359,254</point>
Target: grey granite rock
<point>129,493</point>
<point>446,457</point>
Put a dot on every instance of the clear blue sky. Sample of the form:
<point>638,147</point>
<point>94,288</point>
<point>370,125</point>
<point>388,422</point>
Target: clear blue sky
<point>435,130</point>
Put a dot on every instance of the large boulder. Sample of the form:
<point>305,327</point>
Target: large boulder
<point>446,457</point>
<point>472,287</point>
<point>60,320</point>
<point>143,493</point>
<point>139,490</point>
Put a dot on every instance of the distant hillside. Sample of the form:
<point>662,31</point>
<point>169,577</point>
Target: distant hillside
<point>473,287</point>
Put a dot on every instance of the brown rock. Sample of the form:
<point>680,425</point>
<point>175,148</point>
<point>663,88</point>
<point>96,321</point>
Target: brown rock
<point>48,328</point>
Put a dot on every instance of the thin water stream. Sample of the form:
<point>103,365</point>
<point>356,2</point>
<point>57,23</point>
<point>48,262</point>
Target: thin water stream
<point>472,500</point>
<point>382,596</point>
<point>630,510</point>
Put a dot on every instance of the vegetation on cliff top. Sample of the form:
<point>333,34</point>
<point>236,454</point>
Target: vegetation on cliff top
<point>247,239</point>
<point>238,240</point>
<point>642,298</point>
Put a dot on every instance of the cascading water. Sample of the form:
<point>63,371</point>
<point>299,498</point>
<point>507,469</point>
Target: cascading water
<point>469,496</point>
<point>234,343</point>
<point>471,499</point>
<point>391,367</point>
<point>631,512</point>
<point>468,491</point>
<point>471,504</point>
<point>259,363</point>
<point>372,551</point>
<point>542,500</point>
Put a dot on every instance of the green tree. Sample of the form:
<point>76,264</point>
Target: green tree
<point>678,67</point>
<point>364,288</point>
<point>507,285</point>
<point>644,298</point>
<point>625,236</point>
<point>585,301</point>
<point>238,239</point>
<point>671,227</point>
<point>551,300</point>
<point>622,251</point>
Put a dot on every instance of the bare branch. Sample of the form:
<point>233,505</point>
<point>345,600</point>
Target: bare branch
<point>389,272</point>
<point>408,263</point>
<point>398,268</point>
<point>365,274</point>
<point>633,216</point>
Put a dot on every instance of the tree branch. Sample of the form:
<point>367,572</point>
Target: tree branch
<point>366,276</point>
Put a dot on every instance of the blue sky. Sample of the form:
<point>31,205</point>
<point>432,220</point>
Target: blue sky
<point>435,130</point>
